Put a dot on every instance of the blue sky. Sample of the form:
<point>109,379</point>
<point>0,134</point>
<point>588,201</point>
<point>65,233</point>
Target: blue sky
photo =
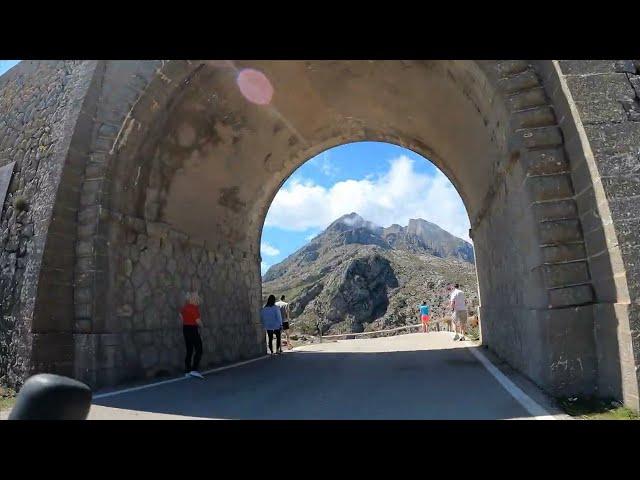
<point>6,65</point>
<point>384,183</point>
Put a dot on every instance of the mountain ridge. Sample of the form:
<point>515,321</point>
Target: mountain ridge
<point>419,236</point>
<point>357,276</point>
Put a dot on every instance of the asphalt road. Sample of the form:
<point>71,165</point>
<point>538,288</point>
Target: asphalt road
<point>415,376</point>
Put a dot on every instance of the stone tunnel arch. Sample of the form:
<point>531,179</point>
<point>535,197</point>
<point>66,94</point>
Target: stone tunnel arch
<point>337,142</point>
<point>455,113</point>
<point>381,139</point>
<point>179,170</point>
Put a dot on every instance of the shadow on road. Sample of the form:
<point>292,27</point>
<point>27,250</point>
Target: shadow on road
<point>403,385</point>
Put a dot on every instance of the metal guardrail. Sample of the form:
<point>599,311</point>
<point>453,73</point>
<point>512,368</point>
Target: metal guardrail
<point>376,332</point>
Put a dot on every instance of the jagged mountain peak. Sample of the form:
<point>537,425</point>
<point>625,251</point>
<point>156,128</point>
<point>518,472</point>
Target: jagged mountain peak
<point>422,235</point>
<point>352,221</point>
<point>419,236</point>
<point>356,275</point>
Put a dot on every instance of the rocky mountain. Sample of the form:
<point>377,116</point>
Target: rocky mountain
<point>357,276</point>
<point>421,236</point>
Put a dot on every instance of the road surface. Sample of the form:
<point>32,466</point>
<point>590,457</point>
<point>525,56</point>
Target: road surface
<point>414,376</point>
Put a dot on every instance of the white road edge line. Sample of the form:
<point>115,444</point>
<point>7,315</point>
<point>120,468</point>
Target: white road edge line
<point>533,407</point>
<point>164,382</point>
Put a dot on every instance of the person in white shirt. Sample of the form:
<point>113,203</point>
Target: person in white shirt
<point>459,312</point>
<point>272,322</point>
<point>284,312</point>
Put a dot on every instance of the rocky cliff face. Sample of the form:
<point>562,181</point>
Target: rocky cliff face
<point>421,236</point>
<point>357,276</point>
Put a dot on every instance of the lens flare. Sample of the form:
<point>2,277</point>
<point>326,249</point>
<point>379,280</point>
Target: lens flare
<point>255,86</point>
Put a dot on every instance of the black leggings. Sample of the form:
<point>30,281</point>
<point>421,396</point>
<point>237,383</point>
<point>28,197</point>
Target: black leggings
<point>270,333</point>
<point>192,340</point>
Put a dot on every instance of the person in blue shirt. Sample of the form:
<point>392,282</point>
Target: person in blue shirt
<point>272,323</point>
<point>424,316</point>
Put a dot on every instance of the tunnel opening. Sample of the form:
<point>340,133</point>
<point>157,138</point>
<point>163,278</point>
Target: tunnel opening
<point>359,236</point>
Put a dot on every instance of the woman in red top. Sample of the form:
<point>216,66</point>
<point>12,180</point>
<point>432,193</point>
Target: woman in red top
<point>191,323</point>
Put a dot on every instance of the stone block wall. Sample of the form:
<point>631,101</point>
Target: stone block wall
<point>535,283</point>
<point>552,346</point>
<point>151,267</point>
<point>596,104</point>
<point>606,95</point>
<point>39,105</point>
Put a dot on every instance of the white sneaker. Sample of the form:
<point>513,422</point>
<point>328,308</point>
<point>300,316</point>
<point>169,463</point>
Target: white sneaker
<point>196,374</point>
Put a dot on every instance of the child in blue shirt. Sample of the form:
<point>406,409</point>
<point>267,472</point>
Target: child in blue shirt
<point>424,316</point>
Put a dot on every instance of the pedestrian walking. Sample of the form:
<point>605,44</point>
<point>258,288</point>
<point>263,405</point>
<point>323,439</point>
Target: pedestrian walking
<point>459,312</point>
<point>191,324</point>
<point>272,321</point>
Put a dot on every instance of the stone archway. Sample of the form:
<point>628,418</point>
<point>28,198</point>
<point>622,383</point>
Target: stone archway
<point>181,169</point>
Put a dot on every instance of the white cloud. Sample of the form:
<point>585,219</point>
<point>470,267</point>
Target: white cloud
<point>264,267</point>
<point>311,236</point>
<point>268,250</point>
<point>394,197</point>
<point>325,164</point>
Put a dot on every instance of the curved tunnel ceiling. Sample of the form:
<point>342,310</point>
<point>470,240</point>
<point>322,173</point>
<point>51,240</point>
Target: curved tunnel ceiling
<point>219,159</point>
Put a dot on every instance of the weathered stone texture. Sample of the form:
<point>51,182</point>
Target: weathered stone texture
<point>152,178</point>
<point>39,102</point>
<point>150,274</point>
<point>605,94</point>
<point>614,139</point>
